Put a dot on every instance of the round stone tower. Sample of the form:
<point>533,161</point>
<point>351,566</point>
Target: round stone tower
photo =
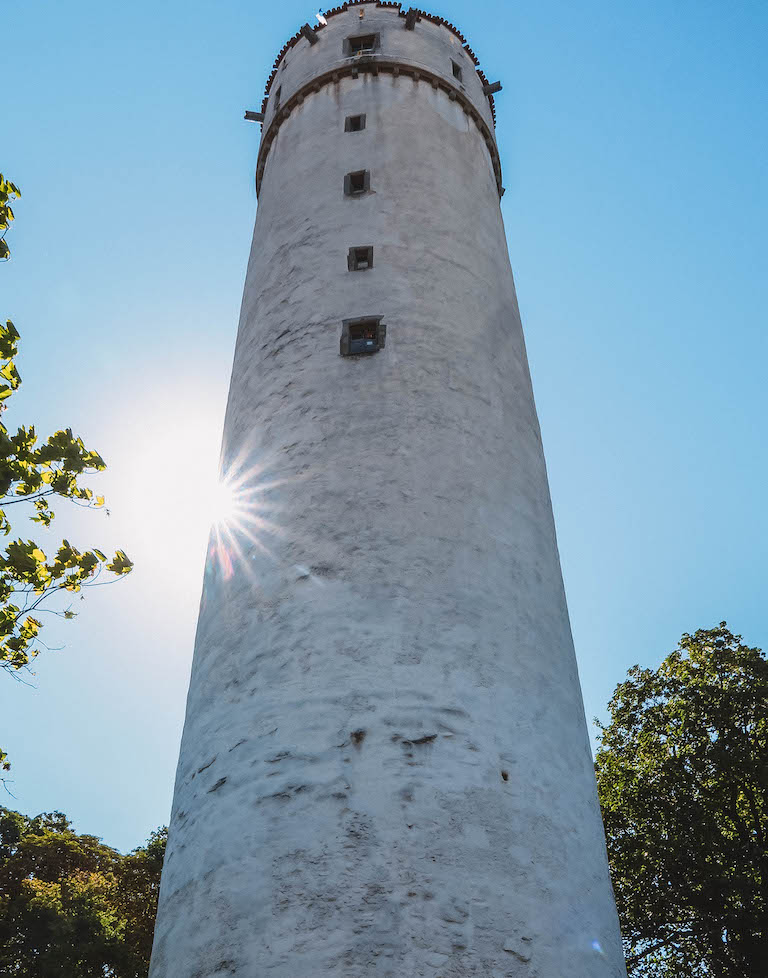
<point>385,768</point>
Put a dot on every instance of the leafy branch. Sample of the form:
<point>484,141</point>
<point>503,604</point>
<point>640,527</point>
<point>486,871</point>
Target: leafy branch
<point>8,193</point>
<point>36,472</point>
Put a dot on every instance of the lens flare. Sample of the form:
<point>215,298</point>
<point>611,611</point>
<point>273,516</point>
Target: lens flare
<point>223,504</point>
<point>239,507</point>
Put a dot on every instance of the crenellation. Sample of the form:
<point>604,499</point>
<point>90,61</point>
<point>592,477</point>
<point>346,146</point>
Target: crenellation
<point>412,16</point>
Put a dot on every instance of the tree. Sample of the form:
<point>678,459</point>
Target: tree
<point>33,473</point>
<point>138,890</point>
<point>72,906</point>
<point>682,773</point>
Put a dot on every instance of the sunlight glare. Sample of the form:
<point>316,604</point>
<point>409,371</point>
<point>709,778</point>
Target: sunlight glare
<point>191,513</point>
<point>239,509</point>
<point>223,504</point>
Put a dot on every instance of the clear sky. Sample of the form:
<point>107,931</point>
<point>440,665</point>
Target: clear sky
<point>633,138</point>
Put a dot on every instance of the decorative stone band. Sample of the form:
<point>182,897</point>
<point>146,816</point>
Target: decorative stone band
<point>374,65</point>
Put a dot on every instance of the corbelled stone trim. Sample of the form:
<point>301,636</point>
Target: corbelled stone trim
<point>374,65</point>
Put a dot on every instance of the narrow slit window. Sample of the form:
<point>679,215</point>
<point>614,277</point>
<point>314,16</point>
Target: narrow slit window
<point>362,336</point>
<point>361,258</point>
<point>354,123</point>
<point>278,93</point>
<point>357,183</point>
<point>456,70</point>
<point>361,44</point>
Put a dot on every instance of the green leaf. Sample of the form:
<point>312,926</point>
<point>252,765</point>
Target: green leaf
<point>120,563</point>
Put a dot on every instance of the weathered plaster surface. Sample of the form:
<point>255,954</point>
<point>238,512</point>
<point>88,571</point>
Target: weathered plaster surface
<point>385,768</point>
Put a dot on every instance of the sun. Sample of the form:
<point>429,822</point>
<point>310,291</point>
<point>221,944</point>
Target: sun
<point>243,515</point>
<point>224,504</point>
<point>178,500</point>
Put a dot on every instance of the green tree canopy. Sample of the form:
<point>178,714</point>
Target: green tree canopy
<point>33,473</point>
<point>682,773</point>
<point>72,907</point>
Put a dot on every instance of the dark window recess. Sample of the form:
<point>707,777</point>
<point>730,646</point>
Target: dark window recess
<point>359,259</point>
<point>362,44</point>
<point>456,71</point>
<point>278,93</point>
<point>362,336</point>
<point>354,123</point>
<point>357,183</point>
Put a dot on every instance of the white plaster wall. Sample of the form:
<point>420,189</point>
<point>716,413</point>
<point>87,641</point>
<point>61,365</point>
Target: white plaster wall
<point>359,686</point>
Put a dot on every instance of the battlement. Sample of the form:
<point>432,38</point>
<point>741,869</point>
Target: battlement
<point>412,12</point>
<point>377,38</point>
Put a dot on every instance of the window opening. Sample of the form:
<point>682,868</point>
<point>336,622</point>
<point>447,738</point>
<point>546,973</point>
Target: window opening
<point>361,258</point>
<point>278,93</point>
<point>354,123</point>
<point>456,70</point>
<point>357,183</point>
<point>366,335</point>
<point>361,44</point>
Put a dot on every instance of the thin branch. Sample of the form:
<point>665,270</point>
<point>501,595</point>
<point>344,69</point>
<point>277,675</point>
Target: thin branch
<point>634,959</point>
<point>5,782</point>
<point>49,648</point>
<point>21,498</point>
<point>53,611</point>
<point>114,580</point>
<point>14,673</point>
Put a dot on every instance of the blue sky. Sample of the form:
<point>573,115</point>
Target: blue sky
<point>633,139</point>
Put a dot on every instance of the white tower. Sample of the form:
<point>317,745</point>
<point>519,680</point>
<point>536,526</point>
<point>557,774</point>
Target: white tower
<point>385,768</point>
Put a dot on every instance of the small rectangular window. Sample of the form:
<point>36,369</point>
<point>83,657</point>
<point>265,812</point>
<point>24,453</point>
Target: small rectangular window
<point>354,123</point>
<point>456,70</point>
<point>356,183</point>
<point>366,335</point>
<point>278,93</point>
<point>361,44</point>
<point>359,259</point>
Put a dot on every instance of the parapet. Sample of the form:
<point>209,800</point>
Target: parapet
<point>365,36</point>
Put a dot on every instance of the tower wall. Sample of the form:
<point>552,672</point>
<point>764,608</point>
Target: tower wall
<point>385,768</point>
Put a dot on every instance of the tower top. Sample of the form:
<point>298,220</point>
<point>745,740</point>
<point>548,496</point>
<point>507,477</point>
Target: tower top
<point>411,15</point>
<point>372,37</point>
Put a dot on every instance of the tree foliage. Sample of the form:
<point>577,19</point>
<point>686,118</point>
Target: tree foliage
<point>8,193</point>
<point>33,473</point>
<point>72,906</point>
<point>682,773</point>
